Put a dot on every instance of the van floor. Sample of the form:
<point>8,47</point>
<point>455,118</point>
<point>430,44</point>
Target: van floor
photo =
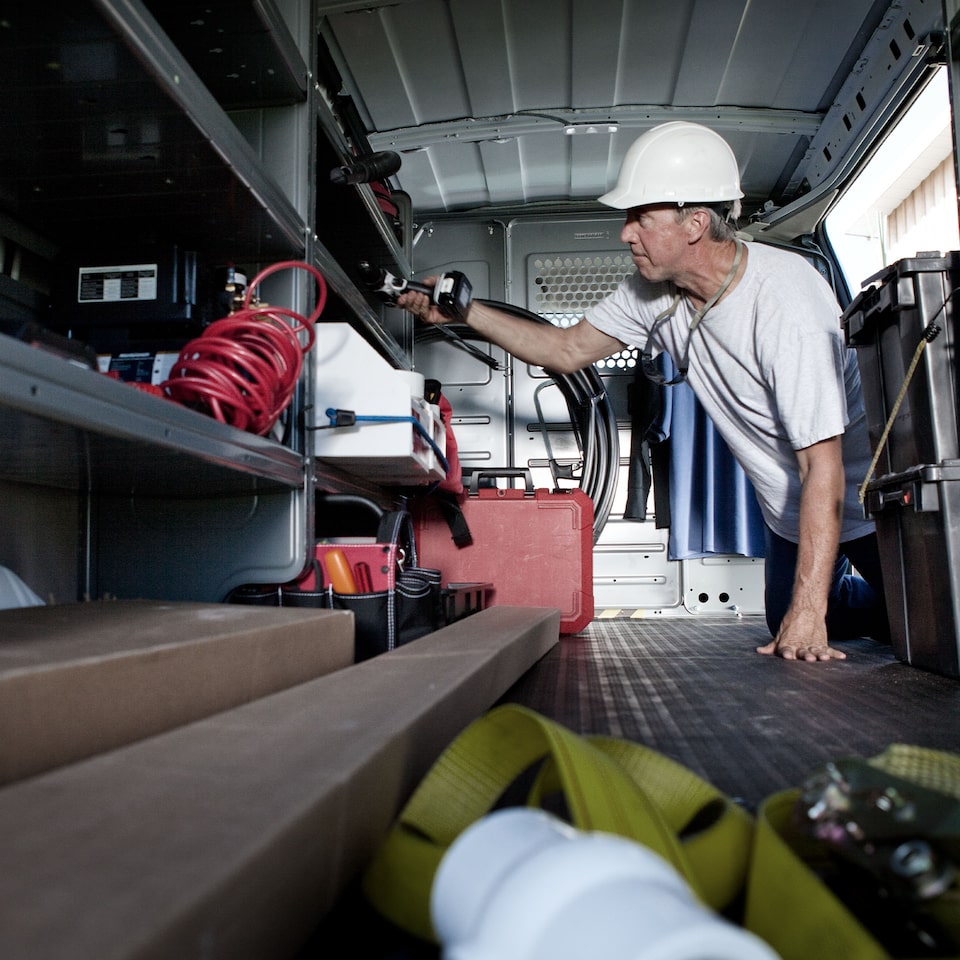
<point>694,689</point>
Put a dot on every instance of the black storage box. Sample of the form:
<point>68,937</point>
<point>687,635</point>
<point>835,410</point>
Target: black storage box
<point>885,323</point>
<point>918,528</point>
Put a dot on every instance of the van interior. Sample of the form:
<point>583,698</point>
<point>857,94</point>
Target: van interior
<point>199,762</point>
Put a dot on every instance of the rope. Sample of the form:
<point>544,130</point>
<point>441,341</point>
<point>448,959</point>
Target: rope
<point>592,418</point>
<point>930,333</point>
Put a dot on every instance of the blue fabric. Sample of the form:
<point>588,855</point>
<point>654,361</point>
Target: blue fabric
<point>713,509</point>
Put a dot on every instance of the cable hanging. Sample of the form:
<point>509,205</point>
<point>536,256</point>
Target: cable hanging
<point>930,333</point>
<point>592,419</point>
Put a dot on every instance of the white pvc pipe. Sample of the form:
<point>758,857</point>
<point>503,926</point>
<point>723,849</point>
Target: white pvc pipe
<point>522,885</point>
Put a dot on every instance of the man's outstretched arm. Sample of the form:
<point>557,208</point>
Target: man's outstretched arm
<point>561,349</point>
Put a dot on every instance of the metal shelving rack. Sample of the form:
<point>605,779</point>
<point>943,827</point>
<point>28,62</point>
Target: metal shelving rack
<point>124,129</point>
<point>54,411</point>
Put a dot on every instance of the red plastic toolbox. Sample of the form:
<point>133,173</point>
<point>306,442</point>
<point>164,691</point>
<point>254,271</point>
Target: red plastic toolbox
<point>534,547</point>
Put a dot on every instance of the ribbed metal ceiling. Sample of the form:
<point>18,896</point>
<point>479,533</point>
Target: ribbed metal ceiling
<point>476,94</point>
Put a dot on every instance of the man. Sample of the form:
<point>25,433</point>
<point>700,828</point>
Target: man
<point>756,333</point>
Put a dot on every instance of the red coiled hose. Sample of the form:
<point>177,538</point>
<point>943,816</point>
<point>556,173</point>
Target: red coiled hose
<point>243,369</point>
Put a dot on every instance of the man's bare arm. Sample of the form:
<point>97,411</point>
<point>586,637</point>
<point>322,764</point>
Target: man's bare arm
<point>803,632</point>
<point>561,349</point>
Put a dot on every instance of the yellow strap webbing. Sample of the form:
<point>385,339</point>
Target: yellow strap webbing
<point>608,785</point>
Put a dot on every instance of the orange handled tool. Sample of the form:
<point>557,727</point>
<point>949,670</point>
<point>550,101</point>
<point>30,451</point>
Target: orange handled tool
<point>339,572</point>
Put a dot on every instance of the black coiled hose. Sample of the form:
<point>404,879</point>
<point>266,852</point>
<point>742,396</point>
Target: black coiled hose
<point>592,418</point>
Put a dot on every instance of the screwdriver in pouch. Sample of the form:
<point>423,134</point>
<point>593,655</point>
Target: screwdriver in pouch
<point>361,576</point>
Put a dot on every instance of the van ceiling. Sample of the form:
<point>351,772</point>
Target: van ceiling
<point>501,103</point>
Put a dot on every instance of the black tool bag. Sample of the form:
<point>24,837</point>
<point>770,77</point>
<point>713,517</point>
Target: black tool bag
<point>408,607</point>
<point>405,601</point>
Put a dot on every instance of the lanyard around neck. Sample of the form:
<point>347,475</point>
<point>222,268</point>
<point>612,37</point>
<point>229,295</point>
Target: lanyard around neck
<point>646,355</point>
<point>702,312</point>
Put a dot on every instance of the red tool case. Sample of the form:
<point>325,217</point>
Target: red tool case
<point>534,547</point>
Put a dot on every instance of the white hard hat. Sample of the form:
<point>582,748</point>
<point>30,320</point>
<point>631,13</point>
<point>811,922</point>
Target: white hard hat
<point>676,162</point>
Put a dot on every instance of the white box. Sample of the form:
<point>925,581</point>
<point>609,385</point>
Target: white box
<point>350,375</point>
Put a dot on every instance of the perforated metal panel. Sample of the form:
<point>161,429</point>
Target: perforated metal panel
<point>559,267</point>
<point>561,286</point>
<point>569,283</point>
<point>723,585</point>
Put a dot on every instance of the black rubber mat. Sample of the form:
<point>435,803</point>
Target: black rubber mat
<point>696,690</point>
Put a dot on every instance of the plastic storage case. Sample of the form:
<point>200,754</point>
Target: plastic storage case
<point>885,323</point>
<point>915,498</point>
<point>918,527</point>
<point>533,547</point>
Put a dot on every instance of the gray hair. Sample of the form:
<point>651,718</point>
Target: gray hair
<point>723,218</point>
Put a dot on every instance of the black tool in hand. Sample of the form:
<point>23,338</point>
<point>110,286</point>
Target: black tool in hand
<point>452,293</point>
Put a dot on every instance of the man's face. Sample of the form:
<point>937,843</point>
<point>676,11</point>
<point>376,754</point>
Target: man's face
<point>656,239</point>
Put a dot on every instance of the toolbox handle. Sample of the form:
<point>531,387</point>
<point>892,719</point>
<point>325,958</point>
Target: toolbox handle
<point>497,472</point>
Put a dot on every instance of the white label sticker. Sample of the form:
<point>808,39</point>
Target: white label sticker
<point>122,284</point>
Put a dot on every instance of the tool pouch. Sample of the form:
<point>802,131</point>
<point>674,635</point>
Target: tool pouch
<point>395,600</point>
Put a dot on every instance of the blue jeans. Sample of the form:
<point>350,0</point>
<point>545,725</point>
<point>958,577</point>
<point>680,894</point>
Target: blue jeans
<point>856,605</point>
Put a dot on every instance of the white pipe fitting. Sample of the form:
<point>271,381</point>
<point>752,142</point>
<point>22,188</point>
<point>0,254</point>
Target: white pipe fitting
<point>522,885</point>
<point>15,593</point>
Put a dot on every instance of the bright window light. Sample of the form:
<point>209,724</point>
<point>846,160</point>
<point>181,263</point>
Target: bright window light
<point>905,201</point>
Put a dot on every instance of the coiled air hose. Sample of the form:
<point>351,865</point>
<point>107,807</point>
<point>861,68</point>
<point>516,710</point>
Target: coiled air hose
<point>592,418</point>
<point>243,369</point>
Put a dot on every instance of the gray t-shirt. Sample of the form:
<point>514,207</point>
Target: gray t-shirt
<point>769,365</point>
